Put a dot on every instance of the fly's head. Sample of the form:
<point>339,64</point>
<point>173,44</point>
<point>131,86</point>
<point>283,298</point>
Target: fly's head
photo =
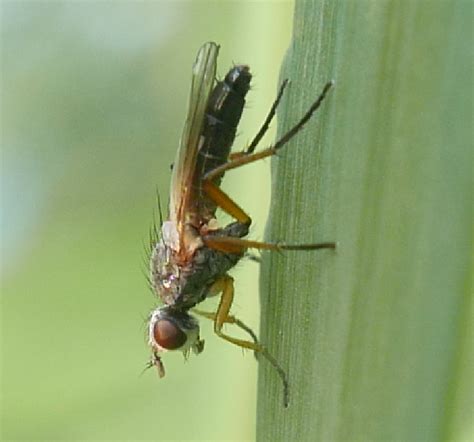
<point>170,329</point>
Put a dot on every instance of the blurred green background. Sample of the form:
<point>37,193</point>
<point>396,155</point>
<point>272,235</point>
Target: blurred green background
<point>93,102</point>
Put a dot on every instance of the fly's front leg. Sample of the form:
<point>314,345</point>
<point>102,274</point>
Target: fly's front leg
<point>229,320</point>
<point>222,313</point>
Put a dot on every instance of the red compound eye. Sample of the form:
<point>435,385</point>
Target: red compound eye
<point>168,335</point>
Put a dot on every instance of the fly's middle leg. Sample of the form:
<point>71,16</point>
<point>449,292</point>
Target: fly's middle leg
<point>230,244</point>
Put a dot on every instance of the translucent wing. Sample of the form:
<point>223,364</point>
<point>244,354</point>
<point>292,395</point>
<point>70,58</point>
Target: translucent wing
<point>184,176</point>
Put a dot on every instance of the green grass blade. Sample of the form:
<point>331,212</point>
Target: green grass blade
<point>376,337</point>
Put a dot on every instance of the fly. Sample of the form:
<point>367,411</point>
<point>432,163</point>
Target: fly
<point>191,259</point>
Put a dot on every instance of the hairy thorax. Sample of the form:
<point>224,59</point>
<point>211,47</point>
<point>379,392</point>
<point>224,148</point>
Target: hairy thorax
<point>182,279</point>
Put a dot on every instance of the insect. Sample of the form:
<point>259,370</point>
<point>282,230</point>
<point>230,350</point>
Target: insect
<point>190,260</point>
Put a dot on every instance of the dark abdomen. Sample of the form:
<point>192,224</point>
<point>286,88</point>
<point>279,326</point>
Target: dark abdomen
<point>223,113</point>
<point>224,110</point>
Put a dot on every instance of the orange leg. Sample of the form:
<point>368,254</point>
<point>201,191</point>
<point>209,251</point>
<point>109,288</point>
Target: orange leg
<point>230,244</point>
<point>226,283</point>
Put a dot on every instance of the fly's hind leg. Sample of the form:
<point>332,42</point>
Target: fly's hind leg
<point>265,125</point>
<point>248,156</point>
<point>226,285</point>
<point>251,157</point>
